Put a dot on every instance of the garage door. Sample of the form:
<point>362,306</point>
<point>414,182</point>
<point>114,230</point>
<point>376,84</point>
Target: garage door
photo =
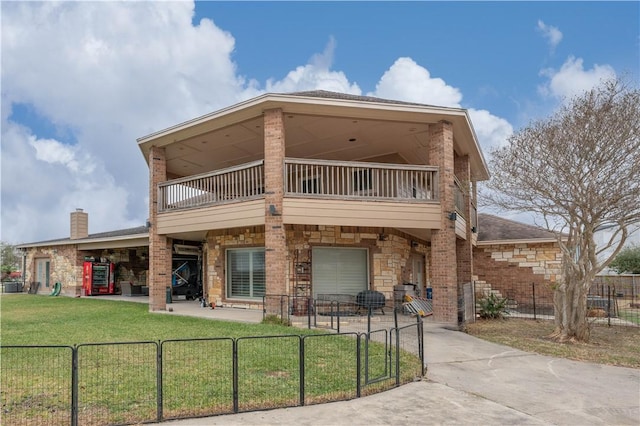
<point>339,270</point>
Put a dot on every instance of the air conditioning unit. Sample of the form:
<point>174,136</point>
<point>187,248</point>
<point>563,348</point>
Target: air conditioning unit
<point>186,250</point>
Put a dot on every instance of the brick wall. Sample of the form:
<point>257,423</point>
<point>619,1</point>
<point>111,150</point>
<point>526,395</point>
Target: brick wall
<point>275,238</point>
<point>511,269</point>
<point>159,245</point>
<point>444,279</point>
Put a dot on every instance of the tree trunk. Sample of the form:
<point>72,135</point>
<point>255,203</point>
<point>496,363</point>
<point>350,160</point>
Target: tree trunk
<point>570,300</point>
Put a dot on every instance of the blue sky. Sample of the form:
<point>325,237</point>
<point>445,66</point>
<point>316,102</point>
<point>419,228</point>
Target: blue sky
<point>81,81</point>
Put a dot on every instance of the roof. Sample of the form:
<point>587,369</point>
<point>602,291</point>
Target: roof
<point>349,97</point>
<point>498,229</point>
<point>109,235</point>
<point>241,124</point>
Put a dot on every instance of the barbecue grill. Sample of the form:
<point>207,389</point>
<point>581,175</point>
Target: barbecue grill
<point>370,299</point>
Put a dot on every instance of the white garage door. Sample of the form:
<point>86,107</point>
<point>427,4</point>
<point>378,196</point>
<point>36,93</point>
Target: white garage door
<point>339,270</point>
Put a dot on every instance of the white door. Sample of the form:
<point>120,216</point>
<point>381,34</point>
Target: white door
<point>42,272</point>
<point>339,270</point>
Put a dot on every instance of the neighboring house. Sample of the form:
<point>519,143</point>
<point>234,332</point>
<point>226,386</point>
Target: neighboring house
<point>314,193</point>
<point>62,260</point>
<point>511,257</point>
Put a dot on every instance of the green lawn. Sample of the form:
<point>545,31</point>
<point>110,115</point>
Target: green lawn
<point>44,320</point>
<point>117,383</point>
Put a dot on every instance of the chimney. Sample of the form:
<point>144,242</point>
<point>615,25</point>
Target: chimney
<point>79,224</point>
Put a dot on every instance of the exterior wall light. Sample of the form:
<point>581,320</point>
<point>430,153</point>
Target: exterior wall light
<point>453,216</point>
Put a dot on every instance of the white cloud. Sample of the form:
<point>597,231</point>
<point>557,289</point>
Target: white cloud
<point>406,80</point>
<point>316,75</point>
<point>492,131</point>
<point>572,79</point>
<point>551,33</point>
<point>111,72</point>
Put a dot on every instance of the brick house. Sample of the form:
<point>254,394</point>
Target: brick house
<point>513,257</point>
<point>315,193</point>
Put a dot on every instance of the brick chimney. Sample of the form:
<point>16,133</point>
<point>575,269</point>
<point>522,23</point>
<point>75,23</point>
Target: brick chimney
<point>79,224</point>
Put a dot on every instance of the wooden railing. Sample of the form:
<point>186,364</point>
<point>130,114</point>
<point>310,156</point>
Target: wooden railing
<point>303,178</point>
<point>360,180</point>
<point>239,183</point>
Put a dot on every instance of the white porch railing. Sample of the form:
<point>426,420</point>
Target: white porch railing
<point>238,183</point>
<point>303,178</point>
<point>360,180</point>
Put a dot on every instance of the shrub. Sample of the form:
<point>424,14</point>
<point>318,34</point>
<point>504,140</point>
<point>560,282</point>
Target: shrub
<point>493,307</point>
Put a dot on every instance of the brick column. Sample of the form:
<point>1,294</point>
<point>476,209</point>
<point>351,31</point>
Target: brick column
<point>464,248</point>
<point>274,233</point>
<point>159,249</point>
<point>444,279</point>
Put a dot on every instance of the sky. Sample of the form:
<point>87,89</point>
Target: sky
<point>81,81</point>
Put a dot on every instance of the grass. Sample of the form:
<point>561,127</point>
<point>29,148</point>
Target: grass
<point>617,345</point>
<point>117,383</point>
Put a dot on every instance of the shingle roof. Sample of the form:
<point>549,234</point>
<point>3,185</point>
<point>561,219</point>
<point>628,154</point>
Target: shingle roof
<point>494,228</point>
<point>346,96</point>
<point>99,235</point>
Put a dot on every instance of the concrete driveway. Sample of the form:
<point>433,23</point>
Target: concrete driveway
<point>469,382</point>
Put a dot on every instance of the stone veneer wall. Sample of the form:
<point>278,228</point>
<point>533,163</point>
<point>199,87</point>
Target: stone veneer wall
<point>389,260</point>
<point>512,268</point>
<point>65,267</point>
<point>66,264</point>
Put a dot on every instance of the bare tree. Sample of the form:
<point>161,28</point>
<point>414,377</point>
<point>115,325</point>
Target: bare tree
<point>579,170</point>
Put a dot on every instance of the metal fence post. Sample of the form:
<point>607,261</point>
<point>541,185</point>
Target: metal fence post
<point>235,375</point>
<point>358,367</point>
<point>421,345</point>
<point>74,386</point>
<point>160,393</point>
<point>609,305</point>
<point>533,292</point>
<point>398,356</point>
<point>302,369</point>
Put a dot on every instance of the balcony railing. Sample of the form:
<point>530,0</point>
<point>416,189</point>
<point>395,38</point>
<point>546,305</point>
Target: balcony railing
<point>359,180</point>
<point>239,183</point>
<point>304,178</point>
<point>459,193</point>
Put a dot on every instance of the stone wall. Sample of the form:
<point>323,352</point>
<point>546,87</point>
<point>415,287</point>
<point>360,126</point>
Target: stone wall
<point>66,263</point>
<point>389,256</point>
<point>65,267</point>
<point>513,268</point>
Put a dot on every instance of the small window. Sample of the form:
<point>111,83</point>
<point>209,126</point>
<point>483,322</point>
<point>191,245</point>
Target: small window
<point>246,277</point>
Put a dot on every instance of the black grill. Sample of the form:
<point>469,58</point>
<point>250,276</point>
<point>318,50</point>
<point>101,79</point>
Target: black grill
<point>370,299</point>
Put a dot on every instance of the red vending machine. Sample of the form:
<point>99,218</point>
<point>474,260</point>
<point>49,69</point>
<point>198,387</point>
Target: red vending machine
<point>98,278</point>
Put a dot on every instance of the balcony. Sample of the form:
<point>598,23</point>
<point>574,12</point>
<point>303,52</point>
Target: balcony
<point>303,178</point>
<point>320,192</point>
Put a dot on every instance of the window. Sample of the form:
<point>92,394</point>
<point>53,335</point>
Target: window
<point>246,273</point>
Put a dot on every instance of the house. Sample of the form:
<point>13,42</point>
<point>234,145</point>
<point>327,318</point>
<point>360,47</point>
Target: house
<point>512,257</point>
<point>315,193</point>
<point>62,260</point>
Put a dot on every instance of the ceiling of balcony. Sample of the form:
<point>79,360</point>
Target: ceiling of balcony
<point>306,136</point>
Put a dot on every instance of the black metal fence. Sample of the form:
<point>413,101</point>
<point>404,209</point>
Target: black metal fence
<point>606,304</point>
<point>136,382</point>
